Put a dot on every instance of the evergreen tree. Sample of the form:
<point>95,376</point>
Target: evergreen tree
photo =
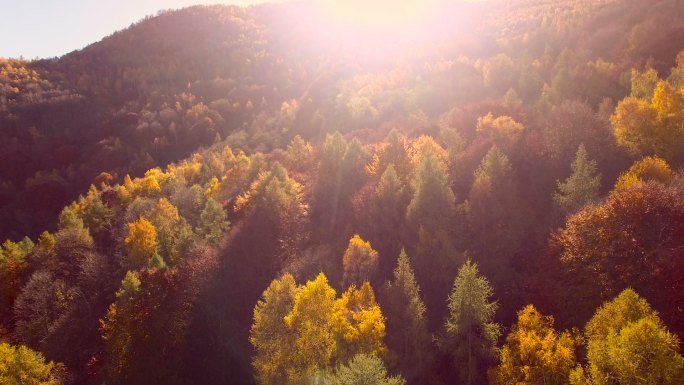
<point>470,333</point>
<point>493,210</point>
<point>363,369</point>
<point>581,187</point>
<point>213,222</point>
<point>407,335</point>
<point>431,217</point>
<point>387,215</point>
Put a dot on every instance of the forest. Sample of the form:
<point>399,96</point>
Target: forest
<point>265,195</point>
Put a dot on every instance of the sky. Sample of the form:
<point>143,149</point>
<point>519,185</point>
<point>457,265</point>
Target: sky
<point>49,28</point>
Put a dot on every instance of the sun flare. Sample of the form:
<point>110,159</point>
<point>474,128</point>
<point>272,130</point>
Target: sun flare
<point>380,14</point>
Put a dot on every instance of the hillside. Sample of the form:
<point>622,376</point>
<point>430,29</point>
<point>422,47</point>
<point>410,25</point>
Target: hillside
<point>270,195</point>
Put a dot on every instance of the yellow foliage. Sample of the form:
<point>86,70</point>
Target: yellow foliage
<point>535,353</point>
<point>359,260</point>
<point>141,242</point>
<point>648,168</point>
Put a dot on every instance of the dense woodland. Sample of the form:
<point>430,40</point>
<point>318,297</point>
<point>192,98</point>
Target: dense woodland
<point>225,195</point>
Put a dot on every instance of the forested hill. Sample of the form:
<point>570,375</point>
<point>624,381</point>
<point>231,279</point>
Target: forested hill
<point>490,194</point>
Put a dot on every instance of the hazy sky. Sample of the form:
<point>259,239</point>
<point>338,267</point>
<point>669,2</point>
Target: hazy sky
<point>47,28</point>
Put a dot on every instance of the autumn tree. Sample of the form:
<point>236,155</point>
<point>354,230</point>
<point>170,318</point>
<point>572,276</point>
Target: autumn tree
<point>141,243</point>
<point>408,339</point>
<point>362,369</point>
<point>534,353</point>
<point>173,233</point>
<point>470,333</point>
<point>269,333</point>
<point>649,168</point>
<point>632,239</point>
<point>20,365</point>
<point>359,261</point>
<point>581,187</point>
<point>324,330</point>
<point>627,343</point>
<point>651,127</point>
<point>310,322</point>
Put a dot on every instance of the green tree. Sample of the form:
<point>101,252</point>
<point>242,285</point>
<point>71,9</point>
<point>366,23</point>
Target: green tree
<point>359,261</point>
<point>363,369</point>
<point>20,365</point>
<point>213,222</point>
<point>387,215</point>
<point>470,333</point>
<point>493,209</point>
<point>581,187</point>
<point>628,344</point>
<point>534,353</point>
<point>408,339</point>
<point>431,218</point>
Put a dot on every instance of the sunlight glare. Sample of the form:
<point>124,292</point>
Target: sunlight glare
<point>380,14</point>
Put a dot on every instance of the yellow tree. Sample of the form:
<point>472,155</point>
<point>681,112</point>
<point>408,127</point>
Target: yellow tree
<point>651,127</point>
<point>269,333</point>
<point>359,323</point>
<point>627,343</point>
<point>314,340</point>
<point>535,354</point>
<point>359,261</point>
<point>648,168</point>
<point>141,243</point>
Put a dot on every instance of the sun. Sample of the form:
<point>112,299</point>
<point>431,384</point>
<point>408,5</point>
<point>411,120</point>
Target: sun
<point>380,14</point>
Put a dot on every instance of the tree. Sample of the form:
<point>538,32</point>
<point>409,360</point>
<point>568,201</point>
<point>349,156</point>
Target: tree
<point>644,83</point>
<point>407,339</point>
<point>387,215</point>
<point>20,365</point>
<point>213,222</point>
<point>632,239</point>
<point>470,333</point>
<point>431,218</point>
<point>628,344</point>
<point>581,187</point>
<point>310,322</point>
<point>317,330</point>
<point>359,261</point>
<point>648,168</point>
<point>493,212</point>
<point>651,127</point>
<point>269,333</point>
<point>362,369</point>
<point>141,243</point>
<point>358,323</point>
<point>534,353</point>
<point>174,235</point>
